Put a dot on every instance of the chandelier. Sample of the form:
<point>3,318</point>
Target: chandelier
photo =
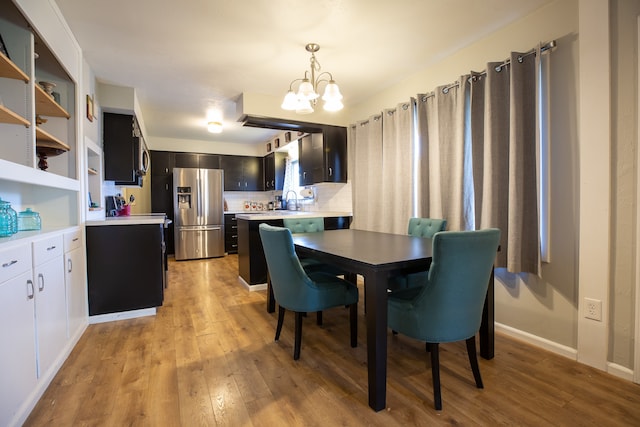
<point>307,95</point>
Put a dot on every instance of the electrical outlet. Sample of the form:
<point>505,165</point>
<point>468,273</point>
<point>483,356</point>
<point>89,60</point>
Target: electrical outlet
<point>593,309</point>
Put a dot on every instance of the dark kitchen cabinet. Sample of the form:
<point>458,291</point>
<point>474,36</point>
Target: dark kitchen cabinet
<point>274,167</point>
<point>186,160</point>
<point>162,164</point>
<point>136,251</point>
<point>242,173</point>
<point>230,233</point>
<point>323,156</point>
<point>252,265</point>
<point>121,134</point>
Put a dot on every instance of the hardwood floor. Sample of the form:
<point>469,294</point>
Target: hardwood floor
<point>208,358</point>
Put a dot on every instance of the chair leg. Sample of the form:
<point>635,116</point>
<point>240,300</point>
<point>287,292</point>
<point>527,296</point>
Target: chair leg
<point>353,320</point>
<point>280,321</point>
<point>319,318</point>
<point>298,339</point>
<point>435,373</point>
<point>473,360</point>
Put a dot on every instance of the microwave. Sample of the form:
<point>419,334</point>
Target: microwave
<point>141,157</point>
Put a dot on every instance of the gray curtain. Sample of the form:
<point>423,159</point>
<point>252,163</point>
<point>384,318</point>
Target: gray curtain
<point>445,143</point>
<point>509,196</point>
<point>366,153</point>
<point>397,168</point>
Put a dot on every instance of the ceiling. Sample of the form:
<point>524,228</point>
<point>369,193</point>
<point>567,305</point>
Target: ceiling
<point>185,57</point>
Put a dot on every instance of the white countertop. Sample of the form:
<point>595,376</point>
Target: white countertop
<point>279,214</point>
<point>129,220</point>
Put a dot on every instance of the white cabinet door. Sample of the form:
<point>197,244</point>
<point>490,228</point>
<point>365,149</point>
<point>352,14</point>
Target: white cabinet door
<point>51,312</point>
<point>17,345</point>
<point>76,290</point>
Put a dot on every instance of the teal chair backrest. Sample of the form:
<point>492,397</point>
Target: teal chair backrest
<point>304,225</point>
<point>425,227</point>
<point>449,307</point>
<point>292,287</point>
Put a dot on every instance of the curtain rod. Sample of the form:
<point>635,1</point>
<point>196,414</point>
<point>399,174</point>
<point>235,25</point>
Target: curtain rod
<point>547,46</point>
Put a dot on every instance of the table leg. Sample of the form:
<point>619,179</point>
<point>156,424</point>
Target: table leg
<point>487,327</point>
<point>376,316</point>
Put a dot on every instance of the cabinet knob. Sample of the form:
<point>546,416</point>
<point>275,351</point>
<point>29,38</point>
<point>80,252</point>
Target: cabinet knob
<point>69,265</point>
<point>330,172</point>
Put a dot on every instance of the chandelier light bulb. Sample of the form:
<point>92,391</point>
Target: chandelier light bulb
<point>304,107</point>
<point>332,92</point>
<point>305,91</point>
<point>290,102</point>
<point>335,105</point>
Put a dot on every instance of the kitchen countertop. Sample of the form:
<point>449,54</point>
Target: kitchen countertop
<point>129,220</point>
<point>279,214</point>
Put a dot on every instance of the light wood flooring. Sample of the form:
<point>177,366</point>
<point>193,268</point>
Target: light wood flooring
<point>208,358</point>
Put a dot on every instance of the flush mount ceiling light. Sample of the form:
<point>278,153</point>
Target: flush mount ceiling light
<point>307,95</point>
<point>214,127</point>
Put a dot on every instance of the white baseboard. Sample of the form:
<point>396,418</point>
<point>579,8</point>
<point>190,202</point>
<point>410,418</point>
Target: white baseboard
<point>620,371</point>
<point>571,353</point>
<point>132,314</point>
<point>252,288</point>
<point>553,347</point>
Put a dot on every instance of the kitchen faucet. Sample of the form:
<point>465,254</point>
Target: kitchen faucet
<point>286,197</point>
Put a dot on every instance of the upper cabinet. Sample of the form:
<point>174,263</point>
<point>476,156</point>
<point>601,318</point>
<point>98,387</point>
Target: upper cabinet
<point>323,156</point>
<point>126,158</point>
<point>37,107</point>
<point>274,169</point>
<point>242,173</point>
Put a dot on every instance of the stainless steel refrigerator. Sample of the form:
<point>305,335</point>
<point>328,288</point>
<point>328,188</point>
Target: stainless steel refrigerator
<point>198,213</point>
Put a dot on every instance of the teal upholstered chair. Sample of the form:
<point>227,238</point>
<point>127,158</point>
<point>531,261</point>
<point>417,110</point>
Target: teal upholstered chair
<point>297,291</point>
<point>418,227</point>
<point>448,307</point>
<point>311,225</point>
<point>307,225</point>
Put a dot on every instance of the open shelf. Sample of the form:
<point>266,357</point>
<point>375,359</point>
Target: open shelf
<point>46,140</point>
<point>8,116</point>
<point>10,70</point>
<point>47,106</point>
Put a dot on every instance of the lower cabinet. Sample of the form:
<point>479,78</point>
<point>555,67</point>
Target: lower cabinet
<point>17,335</point>
<point>252,266</point>
<point>51,306</point>
<point>125,267</point>
<point>42,313</point>
<point>75,281</point>
<point>230,233</point>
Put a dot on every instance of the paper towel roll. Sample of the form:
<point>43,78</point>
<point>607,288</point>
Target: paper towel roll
<point>306,193</point>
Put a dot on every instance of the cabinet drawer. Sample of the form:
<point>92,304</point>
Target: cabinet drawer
<point>14,261</point>
<point>72,240</point>
<point>47,249</point>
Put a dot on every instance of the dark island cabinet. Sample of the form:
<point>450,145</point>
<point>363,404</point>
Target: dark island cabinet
<point>230,233</point>
<point>242,173</point>
<point>323,156</point>
<point>252,266</point>
<point>134,251</point>
<point>274,168</point>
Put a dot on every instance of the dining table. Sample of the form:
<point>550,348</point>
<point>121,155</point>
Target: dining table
<point>377,257</point>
